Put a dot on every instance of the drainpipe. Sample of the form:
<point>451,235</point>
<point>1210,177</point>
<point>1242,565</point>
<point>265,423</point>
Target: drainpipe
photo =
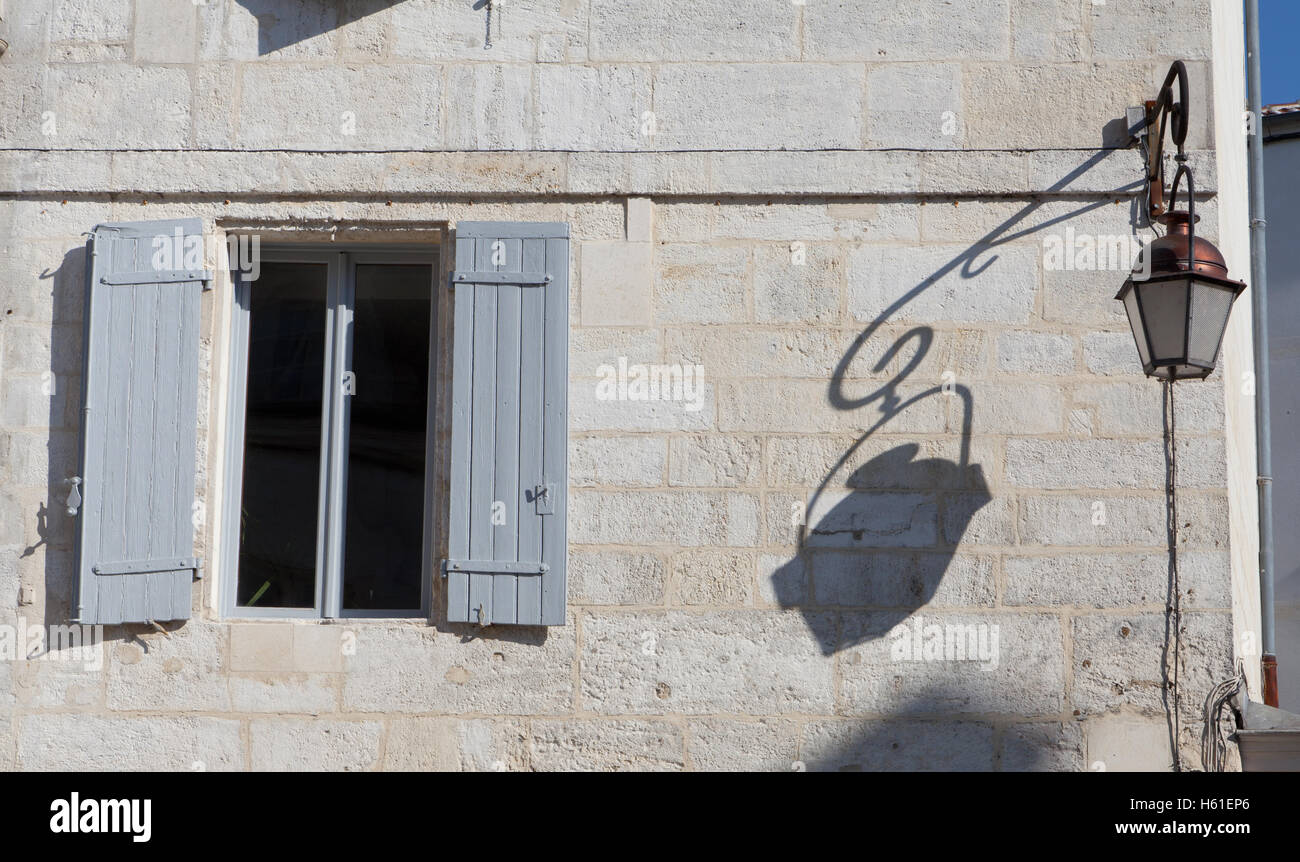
<point>1259,303</point>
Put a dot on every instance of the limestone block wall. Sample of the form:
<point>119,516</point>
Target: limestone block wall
<point>826,208</point>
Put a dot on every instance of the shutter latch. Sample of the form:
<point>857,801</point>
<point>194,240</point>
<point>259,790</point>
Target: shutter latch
<point>544,498</point>
<point>74,496</point>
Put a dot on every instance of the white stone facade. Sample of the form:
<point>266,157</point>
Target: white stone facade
<point>750,187</point>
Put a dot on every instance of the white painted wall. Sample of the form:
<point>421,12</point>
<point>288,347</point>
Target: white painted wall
<point>1237,359</point>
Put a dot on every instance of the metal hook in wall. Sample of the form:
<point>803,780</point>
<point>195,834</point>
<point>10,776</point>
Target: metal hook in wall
<point>488,6</point>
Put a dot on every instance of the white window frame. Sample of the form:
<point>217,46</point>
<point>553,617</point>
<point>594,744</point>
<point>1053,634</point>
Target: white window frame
<point>340,262</point>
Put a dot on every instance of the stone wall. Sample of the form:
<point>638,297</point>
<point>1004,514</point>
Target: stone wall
<point>752,187</point>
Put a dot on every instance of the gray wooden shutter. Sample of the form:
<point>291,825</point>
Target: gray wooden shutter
<point>509,434</point>
<point>135,537</point>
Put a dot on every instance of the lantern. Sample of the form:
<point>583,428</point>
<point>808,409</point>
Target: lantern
<point>1178,300</point>
<point>1179,295</point>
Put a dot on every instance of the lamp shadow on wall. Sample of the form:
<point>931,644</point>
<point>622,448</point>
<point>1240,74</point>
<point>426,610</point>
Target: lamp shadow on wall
<point>926,739</point>
<point>883,543</point>
<point>281,24</point>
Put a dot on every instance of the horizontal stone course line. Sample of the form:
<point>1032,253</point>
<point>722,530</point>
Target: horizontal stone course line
<point>443,196</point>
<point>1004,718</point>
<point>1019,151</point>
<point>1002,611</point>
<point>524,173</point>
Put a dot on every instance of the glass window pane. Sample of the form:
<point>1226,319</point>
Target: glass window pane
<point>282,430</point>
<point>385,481</point>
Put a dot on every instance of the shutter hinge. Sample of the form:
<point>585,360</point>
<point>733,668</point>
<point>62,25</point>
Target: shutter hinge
<point>523,279</point>
<point>149,567</point>
<point>159,276</point>
<point>493,567</point>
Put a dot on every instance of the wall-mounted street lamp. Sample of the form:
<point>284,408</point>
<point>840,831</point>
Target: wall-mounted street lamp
<point>1179,295</point>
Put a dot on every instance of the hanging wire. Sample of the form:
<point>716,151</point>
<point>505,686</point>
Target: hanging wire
<point>1173,599</point>
<point>1214,741</point>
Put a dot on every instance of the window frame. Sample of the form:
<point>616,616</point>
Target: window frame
<point>340,262</point>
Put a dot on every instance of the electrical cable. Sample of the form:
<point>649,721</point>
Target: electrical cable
<point>1173,598</point>
<point>1214,742</point>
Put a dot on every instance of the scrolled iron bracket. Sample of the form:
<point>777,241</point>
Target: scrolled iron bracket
<point>1158,111</point>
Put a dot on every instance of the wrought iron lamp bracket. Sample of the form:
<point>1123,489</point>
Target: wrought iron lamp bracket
<point>1164,109</point>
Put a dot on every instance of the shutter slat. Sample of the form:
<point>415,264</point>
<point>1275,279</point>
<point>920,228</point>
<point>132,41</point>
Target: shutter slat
<point>168,490</point>
<point>95,339</point>
<point>165,473</point>
<point>112,487</point>
<point>142,396</point>
<point>139,423</point>
<point>483,437</point>
<point>505,535</point>
<point>555,439</point>
<point>510,341</point>
<point>181,459</point>
<point>461,417</point>
<point>530,431</point>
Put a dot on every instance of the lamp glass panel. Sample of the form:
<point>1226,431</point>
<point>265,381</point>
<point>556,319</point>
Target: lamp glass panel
<point>1164,311</point>
<point>1210,306</point>
<point>1135,323</point>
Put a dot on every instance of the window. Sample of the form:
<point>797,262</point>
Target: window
<point>327,479</point>
<point>330,398</point>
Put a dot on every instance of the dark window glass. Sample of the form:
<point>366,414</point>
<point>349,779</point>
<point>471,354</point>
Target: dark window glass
<point>386,444</point>
<point>282,437</point>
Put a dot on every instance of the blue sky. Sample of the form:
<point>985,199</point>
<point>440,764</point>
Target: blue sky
<point>1279,45</point>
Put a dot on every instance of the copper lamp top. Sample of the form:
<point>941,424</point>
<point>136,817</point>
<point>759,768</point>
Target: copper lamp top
<point>1169,253</point>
